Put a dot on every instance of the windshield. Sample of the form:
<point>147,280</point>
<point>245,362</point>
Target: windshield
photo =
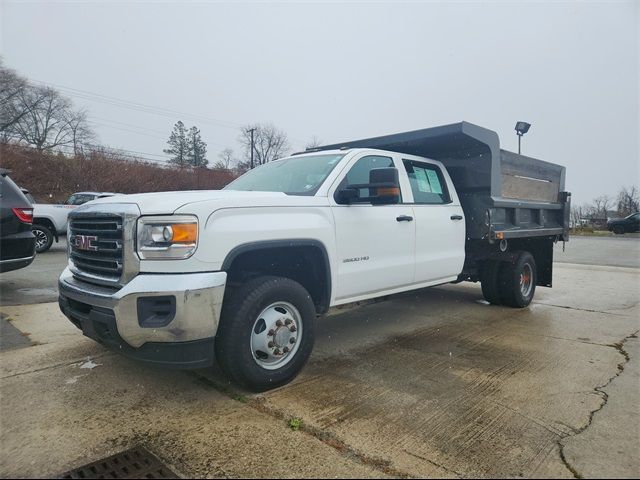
<point>293,176</point>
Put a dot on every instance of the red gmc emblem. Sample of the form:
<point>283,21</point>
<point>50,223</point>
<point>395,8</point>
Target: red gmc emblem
<point>85,242</point>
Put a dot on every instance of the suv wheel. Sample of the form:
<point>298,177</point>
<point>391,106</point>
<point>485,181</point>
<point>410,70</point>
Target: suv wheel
<point>44,238</point>
<point>266,332</point>
<point>618,230</point>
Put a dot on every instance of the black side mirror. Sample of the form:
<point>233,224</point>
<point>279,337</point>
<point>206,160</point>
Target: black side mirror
<point>383,186</point>
<point>384,182</point>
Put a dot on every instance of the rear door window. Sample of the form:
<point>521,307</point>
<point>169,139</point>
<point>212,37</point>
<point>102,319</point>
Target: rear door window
<point>427,183</point>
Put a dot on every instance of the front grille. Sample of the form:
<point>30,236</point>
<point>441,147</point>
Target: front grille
<point>96,247</point>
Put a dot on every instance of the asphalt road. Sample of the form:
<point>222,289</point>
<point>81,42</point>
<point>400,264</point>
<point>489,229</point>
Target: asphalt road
<point>38,282</point>
<point>429,383</point>
<point>614,250</point>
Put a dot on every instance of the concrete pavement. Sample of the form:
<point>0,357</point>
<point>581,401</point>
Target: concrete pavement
<point>428,383</point>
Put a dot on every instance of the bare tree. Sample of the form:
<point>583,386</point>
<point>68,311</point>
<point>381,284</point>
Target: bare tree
<point>39,116</point>
<point>81,134</point>
<point>601,205</point>
<point>49,121</point>
<point>314,142</point>
<point>270,143</point>
<point>12,90</point>
<point>628,201</point>
<point>225,160</point>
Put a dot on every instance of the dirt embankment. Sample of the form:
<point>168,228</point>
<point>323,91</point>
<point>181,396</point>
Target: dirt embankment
<point>51,177</point>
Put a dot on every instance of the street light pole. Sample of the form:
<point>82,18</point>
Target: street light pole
<point>521,129</point>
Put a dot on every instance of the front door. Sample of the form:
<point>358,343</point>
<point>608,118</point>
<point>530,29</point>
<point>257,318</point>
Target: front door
<point>375,243</point>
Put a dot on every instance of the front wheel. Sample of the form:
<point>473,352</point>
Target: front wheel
<point>266,332</point>
<point>44,238</point>
<point>517,280</point>
<point>618,230</point>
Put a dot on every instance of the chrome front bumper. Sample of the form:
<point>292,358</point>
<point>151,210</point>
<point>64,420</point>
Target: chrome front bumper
<point>198,300</point>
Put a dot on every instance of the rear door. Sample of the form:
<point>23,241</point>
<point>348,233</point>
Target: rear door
<point>374,243</point>
<point>439,219</point>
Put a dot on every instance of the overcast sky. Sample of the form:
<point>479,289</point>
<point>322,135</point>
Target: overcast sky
<point>345,71</point>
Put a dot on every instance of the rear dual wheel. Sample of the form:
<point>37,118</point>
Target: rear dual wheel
<point>510,282</point>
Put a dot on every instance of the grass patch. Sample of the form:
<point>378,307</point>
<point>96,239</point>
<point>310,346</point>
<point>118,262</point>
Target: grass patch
<point>295,424</point>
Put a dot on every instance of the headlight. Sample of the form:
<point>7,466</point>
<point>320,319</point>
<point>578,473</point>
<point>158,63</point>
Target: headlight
<point>170,237</point>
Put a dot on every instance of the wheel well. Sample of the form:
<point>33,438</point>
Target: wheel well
<point>304,262</point>
<point>45,222</point>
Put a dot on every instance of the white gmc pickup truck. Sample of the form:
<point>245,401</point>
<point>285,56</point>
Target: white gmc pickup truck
<point>241,274</point>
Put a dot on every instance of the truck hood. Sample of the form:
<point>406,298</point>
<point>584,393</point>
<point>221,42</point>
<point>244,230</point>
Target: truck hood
<point>159,203</point>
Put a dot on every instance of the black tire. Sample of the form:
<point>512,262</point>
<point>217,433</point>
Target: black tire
<point>240,311</point>
<point>44,238</point>
<point>490,282</point>
<point>511,291</point>
<point>619,230</point>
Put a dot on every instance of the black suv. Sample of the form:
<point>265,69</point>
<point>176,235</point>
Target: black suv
<point>624,225</point>
<point>17,243</point>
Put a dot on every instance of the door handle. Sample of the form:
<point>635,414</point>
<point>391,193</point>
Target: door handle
<point>456,217</point>
<point>404,218</point>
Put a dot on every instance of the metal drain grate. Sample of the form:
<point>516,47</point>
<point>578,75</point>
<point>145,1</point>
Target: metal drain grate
<point>137,462</point>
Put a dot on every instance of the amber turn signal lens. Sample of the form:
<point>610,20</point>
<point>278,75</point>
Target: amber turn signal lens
<point>388,192</point>
<point>184,232</point>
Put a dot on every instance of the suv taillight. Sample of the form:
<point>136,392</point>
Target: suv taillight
<point>25,215</point>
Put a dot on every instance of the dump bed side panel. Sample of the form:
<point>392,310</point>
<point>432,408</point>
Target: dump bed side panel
<point>527,178</point>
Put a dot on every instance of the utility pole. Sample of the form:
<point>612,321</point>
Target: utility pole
<point>251,130</point>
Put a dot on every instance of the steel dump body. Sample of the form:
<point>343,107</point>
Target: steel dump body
<point>504,195</point>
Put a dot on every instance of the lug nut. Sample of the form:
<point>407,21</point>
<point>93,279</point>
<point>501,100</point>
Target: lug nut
<point>271,333</point>
<point>292,328</point>
<point>288,321</point>
<point>276,351</point>
<point>270,344</point>
<point>292,340</point>
<point>279,323</point>
<point>285,349</point>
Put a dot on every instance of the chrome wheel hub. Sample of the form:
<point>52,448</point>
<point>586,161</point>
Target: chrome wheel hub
<point>526,280</point>
<point>275,335</point>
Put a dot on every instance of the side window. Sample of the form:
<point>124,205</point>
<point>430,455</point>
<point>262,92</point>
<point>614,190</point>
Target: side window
<point>427,183</point>
<point>76,199</point>
<point>359,173</point>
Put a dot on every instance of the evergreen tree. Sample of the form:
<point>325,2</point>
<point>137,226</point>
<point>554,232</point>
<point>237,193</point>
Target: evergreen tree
<point>197,149</point>
<point>178,145</point>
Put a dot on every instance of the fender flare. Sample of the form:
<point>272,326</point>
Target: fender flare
<point>298,242</point>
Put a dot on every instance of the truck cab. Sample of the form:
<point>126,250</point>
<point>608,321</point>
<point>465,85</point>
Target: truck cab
<point>242,274</point>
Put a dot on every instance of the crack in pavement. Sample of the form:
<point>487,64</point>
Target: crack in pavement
<point>328,438</point>
<point>588,309</point>
<point>605,398</point>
